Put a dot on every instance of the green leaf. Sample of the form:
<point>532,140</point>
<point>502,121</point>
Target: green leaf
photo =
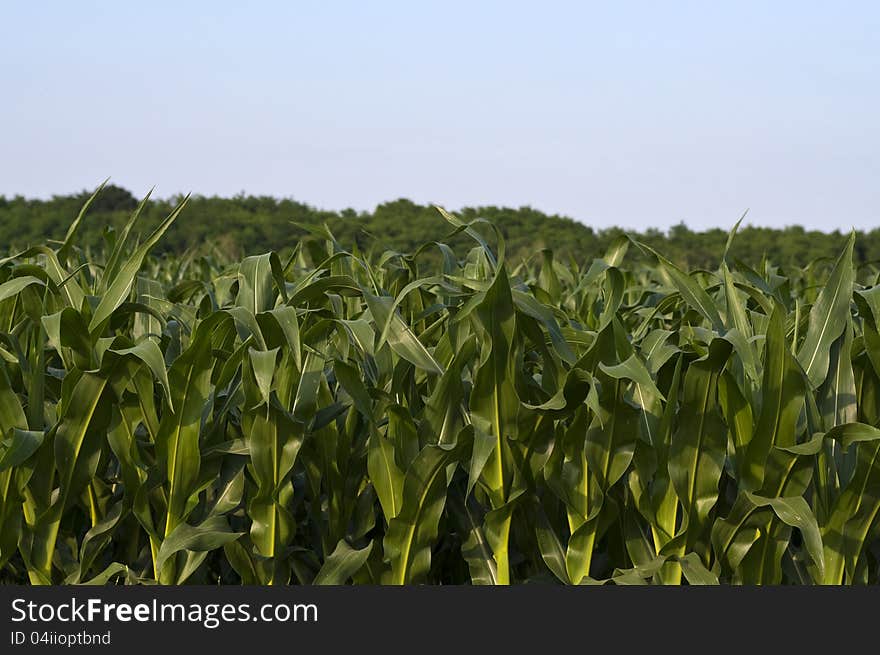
<point>17,448</point>
<point>342,563</point>
<point>412,532</point>
<point>387,478</point>
<point>400,336</point>
<point>212,533</point>
<point>782,393</point>
<point>256,291</point>
<point>828,316</point>
<point>796,512</point>
<point>693,293</point>
<point>118,290</point>
<point>696,454</point>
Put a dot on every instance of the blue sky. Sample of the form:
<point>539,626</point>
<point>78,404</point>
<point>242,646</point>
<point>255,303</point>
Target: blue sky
<point>618,113</point>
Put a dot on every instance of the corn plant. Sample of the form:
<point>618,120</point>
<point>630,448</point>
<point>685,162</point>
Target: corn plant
<point>324,415</point>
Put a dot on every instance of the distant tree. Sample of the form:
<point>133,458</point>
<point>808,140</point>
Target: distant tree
<point>246,224</point>
<point>112,198</point>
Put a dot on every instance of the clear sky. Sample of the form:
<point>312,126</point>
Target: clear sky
<point>616,113</point>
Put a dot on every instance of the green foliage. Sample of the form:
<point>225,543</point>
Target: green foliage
<point>244,225</point>
<point>441,414</point>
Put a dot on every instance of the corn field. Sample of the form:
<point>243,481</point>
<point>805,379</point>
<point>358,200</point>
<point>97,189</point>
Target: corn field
<point>334,416</point>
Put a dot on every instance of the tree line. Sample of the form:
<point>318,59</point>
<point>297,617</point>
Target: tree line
<point>247,224</point>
